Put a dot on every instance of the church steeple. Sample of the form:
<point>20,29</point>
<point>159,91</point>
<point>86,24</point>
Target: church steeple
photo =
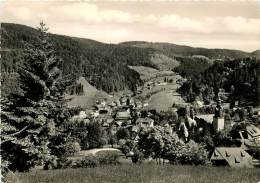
<point>218,121</point>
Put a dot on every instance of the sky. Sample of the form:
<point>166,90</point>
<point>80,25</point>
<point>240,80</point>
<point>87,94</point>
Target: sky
<point>198,23</point>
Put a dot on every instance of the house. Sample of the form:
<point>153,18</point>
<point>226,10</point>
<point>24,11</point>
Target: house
<point>112,104</point>
<point>107,122</point>
<point>95,114</point>
<point>123,118</point>
<point>132,102</point>
<point>145,122</point>
<point>80,116</point>
<point>123,115</point>
<point>123,100</point>
<point>231,156</point>
<point>139,104</point>
<point>103,103</point>
<point>253,132</point>
<point>145,104</point>
<point>250,137</point>
<point>244,139</point>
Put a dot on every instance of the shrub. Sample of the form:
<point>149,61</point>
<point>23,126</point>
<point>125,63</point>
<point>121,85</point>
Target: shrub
<point>223,138</point>
<point>108,157</point>
<point>100,159</point>
<point>121,142</point>
<point>103,141</point>
<point>122,133</point>
<point>88,162</point>
<point>126,146</point>
<point>190,153</point>
<point>63,163</point>
<point>68,149</point>
<point>72,148</point>
<point>125,149</point>
<point>138,157</point>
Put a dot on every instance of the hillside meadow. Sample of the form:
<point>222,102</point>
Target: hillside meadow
<point>145,173</point>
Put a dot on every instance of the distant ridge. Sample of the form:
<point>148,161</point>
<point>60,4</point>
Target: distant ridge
<point>256,53</point>
<point>171,49</point>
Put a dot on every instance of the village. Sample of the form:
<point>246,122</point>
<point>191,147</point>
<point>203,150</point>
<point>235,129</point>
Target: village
<point>134,114</point>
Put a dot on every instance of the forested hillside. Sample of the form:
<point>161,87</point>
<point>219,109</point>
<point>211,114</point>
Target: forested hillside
<point>238,77</point>
<point>104,65</point>
<point>181,50</point>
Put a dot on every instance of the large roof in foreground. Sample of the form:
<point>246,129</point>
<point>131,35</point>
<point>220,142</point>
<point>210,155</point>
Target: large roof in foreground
<point>234,156</point>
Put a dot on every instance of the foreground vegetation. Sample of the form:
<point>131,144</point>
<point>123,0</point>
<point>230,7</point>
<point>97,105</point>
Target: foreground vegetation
<point>140,173</point>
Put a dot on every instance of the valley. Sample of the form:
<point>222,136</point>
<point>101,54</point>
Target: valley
<point>73,103</point>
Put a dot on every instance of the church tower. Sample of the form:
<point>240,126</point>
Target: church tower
<point>218,120</point>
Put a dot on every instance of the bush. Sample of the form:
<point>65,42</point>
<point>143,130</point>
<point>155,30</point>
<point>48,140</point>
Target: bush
<point>74,148</point>
<point>138,157</point>
<point>223,138</point>
<point>122,133</point>
<point>101,158</point>
<point>107,157</point>
<point>190,153</point>
<point>88,162</point>
<point>63,163</point>
<point>69,149</point>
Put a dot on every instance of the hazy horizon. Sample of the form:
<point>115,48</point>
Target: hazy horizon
<point>206,24</point>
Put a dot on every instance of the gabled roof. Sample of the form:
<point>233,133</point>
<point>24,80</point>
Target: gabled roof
<point>206,117</point>
<point>234,156</point>
<point>123,115</point>
<point>253,131</point>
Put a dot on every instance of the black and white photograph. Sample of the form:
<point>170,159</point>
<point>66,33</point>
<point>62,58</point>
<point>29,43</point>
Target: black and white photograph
<point>130,91</point>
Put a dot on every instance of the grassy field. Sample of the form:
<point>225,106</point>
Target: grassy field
<point>89,97</point>
<point>148,73</point>
<point>141,174</point>
<point>167,95</point>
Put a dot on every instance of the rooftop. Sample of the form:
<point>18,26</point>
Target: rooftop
<point>253,131</point>
<point>206,117</point>
<point>234,156</point>
<point>123,115</point>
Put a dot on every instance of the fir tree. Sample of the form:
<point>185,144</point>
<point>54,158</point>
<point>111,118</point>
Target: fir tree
<point>31,118</point>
